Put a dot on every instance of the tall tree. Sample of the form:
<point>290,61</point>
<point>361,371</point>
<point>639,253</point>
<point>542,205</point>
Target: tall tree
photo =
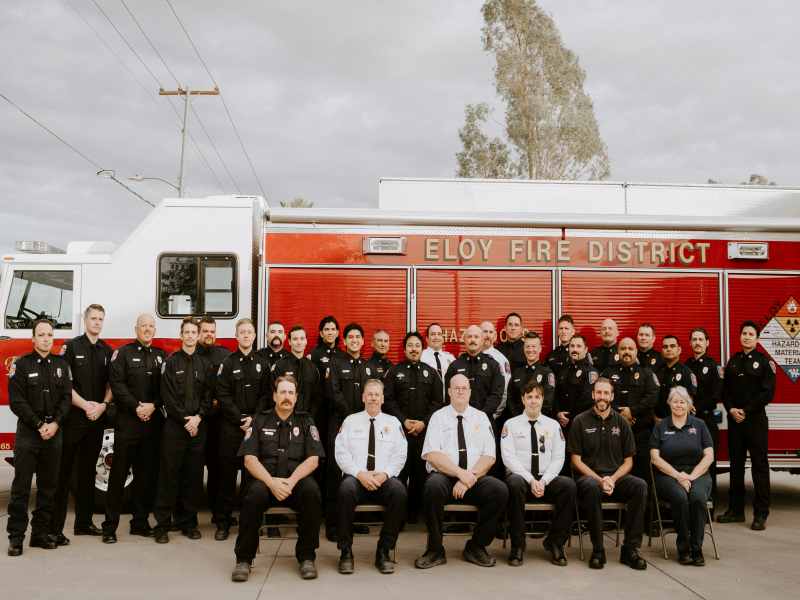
<point>297,202</point>
<point>550,120</point>
<point>482,157</point>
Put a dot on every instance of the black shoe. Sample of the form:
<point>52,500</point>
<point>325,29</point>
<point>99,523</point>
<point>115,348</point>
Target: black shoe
<point>161,536</point>
<point>15,547</point>
<point>109,538</point>
<point>698,560</point>
<point>47,542</point>
<point>556,551</point>
<point>193,533</point>
<point>515,557</point>
<point>730,516</point>
<point>233,522</point>
<point>346,561</point>
<point>759,523</point>
<point>90,530</point>
<point>241,572</point>
<point>142,531</point>
<point>631,557</point>
<point>61,539</point>
<point>308,570</point>
<point>477,555</point>
<point>221,534</point>
<point>382,561</point>
<point>598,559</point>
<point>685,559</point>
<point>361,529</point>
<point>430,559</point>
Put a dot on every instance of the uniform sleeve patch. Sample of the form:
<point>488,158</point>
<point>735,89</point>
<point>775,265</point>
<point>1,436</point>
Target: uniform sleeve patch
<point>694,379</point>
<point>63,350</point>
<point>551,380</point>
<point>655,380</point>
<point>314,433</point>
<point>163,368</point>
<point>114,356</point>
<point>593,377</point>
<point>219,371</point>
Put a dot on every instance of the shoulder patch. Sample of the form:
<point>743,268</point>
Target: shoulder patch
<point>314,433</point>
<point>63,350</point>
<point>114,356</point>
<point>693,377</point>
<point>163,368</point>
<point>655,380</point>
<point>773,367</point>
<point>219,371</point>
<point>551,380</point>
<point>593,377</point>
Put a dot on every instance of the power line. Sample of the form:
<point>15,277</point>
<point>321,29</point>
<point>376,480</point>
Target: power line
<point>221,97</point>
<point>172,106</point>
<point>214,146</point>
<point>149,41</point>
<point>95,164</point>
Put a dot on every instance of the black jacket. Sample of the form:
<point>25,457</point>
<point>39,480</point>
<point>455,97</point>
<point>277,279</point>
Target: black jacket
<point>412,391</point>
<point>485,378</point>
<point>39,389</point>
<point>135,377</point>
<point>186,386</point>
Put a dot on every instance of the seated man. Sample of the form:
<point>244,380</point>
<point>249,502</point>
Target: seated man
<point>281,451</point>
<point>371,450</point>
<point>532,446</point>
<point>602,447</point>
<point>460,449</point>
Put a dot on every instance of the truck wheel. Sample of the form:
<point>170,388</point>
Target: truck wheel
<point>103,472</point>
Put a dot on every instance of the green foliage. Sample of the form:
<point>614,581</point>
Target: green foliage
<point>297,202</point>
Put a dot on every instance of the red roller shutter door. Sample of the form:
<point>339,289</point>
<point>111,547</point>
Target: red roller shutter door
<point>374,298</point>
<point>457,298</point>
<point>672,302</point>
<point>757,298</point>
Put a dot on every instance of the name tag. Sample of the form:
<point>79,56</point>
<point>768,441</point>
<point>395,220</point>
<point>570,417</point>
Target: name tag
<point>237,371</point>
<point>591,430</point>
<point>33,374</point>
<point>268,431</point>
<point>136,359</point>
<point>669,433</point>
<point>79,356</point>
<point>345,371</point>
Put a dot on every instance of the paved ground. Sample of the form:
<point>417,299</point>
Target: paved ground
<point>753,565</point>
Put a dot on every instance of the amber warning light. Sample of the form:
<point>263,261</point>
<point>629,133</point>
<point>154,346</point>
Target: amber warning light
<point>384,245</point>
<point>748,250</point>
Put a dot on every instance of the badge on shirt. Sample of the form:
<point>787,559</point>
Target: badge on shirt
<point>653,360</point>
<point>58,372</point>
<point>485,366</point>
<point>705,370</point>
<point>400,375</point>
<point>578,373</point>
<point>425,373</point>
<point>258,367</point>
<point>366,370</point>
<point>314,433</point>
<point>323,359</point>
<point>615,430</point>
<point>636,375</point>
<point>296,431</point>
<point>539,378</point>
<point>616,358</point>
<point>755,364</point>
<point>693,430</point>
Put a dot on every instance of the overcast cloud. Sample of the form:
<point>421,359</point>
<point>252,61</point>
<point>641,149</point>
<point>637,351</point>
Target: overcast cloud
<point>331,96</point>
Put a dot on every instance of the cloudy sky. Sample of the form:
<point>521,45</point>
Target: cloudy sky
<point>328,97</point>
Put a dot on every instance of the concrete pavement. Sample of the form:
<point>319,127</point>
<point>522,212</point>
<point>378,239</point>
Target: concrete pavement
<point>754,565</point>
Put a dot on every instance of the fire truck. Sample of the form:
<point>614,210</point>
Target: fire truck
<point>451,251</point>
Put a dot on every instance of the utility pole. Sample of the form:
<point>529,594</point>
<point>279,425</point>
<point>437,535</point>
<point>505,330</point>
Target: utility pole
<point>186,93</point>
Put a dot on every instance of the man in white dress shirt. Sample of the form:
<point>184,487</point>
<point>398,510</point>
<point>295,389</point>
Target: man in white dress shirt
<point>533,448</point>
<point>370,450</point>
<point>460,449</point>
<point>435,356</point>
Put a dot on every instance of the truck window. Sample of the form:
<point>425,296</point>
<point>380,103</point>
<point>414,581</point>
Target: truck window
<point>40,295</point>
<point>194,284</point>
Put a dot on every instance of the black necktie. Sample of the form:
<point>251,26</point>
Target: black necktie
<point>188,391</point>
<point>438,364</point>
<point>371,446</point>
<point>283,449</point>
<point>462,444</point>
<point>534,451</point>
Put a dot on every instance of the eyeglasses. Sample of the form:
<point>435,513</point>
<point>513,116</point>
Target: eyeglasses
<point>460,389</point>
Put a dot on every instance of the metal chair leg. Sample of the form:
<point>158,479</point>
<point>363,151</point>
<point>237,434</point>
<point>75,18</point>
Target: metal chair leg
<point>619,523</point>
<point>711,532</point>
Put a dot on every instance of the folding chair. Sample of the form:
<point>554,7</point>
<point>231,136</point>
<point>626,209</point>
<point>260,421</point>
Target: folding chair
<point>533,507</point>
<point>460,508</point>
<point>664,531</point>
<point>605,506</point>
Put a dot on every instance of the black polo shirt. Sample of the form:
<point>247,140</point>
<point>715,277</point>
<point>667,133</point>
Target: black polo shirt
<point>681,447</point>
<point>602,444</point>
<point>269,438</point>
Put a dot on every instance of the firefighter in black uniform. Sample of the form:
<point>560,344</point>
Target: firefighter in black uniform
<point>606,355</point>
<point>88,358</point>
<point>413,392</point>
<point>281,450</point>
<point>574,384</point>
<point>648,356</point>
<point>274,350</point>
<point>709,393</point>
<point>40,394</point>
<point>378,365</point>
<point>672,374</point>
<point>533,369</point>
<point>635,396</point>
<point>558,358</point>
<point>186,391</point>
<point>135,378</point>
<point>748,387</point>
<point>485,376</point>
<point>215,354</point>
<point>512,347</point>
<point>243,388</point>
<point>300,366</point>
<point>348,374</point>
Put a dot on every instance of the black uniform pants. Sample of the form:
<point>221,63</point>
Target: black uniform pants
<point>641,460</point>
<point>392,494</point>
<point>139,453</point>
<point>230,465</point>
<point>713,428</point>
<point>489,494</point>
<point>415,473</point>
<point>305,499</point>
<point>749,436</point>
<point>629,489</point>
<point>560,492</point>
<point>80,448</point>
<point>33,455</point>
<point>333,475</point>
<point>212,453</point>
<point>180,477</point>
<point>688,509</point>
